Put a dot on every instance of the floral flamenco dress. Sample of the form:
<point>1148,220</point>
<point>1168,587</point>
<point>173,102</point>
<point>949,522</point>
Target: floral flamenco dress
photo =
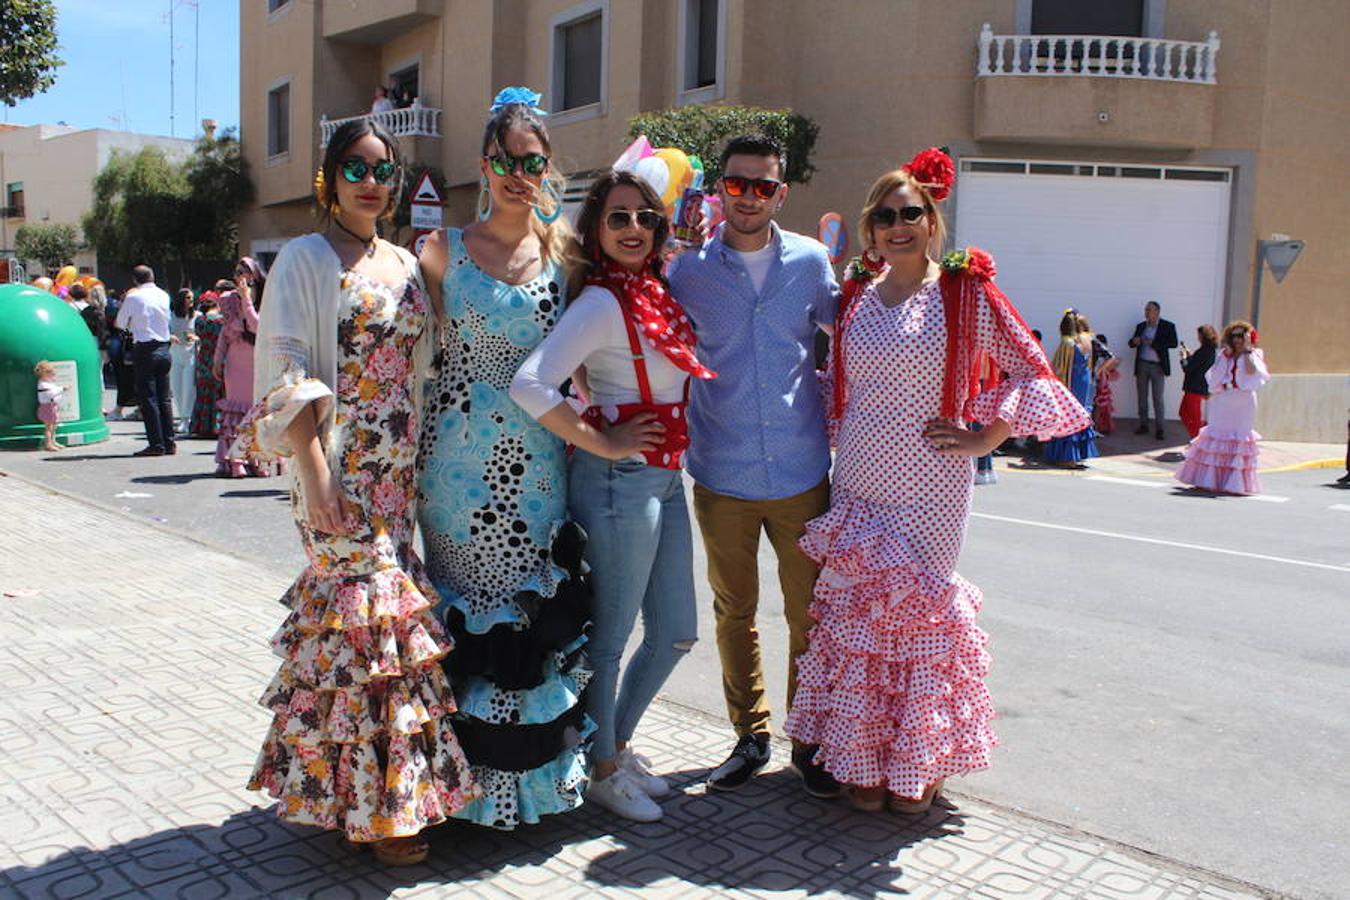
<point>507,566</point>
<point>1223,456</point>
<point>891,687</point>
<point>361,739</point>
<point>205,414</point>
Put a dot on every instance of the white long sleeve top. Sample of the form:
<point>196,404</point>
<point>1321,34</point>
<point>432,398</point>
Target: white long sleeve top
<point>592,333</point>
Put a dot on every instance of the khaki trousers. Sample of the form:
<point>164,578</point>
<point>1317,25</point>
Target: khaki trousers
<point>731,528</point>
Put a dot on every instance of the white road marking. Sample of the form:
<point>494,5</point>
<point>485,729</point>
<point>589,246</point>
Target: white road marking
<point>1343,507</point>
<point>1164,542</point>
<point>1139,482</point>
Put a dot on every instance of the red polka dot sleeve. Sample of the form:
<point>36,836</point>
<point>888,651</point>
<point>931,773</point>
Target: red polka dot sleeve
<point>1029,399</point>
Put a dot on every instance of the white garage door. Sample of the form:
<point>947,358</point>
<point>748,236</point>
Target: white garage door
<point>1104,239</point>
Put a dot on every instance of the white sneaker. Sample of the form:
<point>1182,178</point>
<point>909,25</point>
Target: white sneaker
<point>621,795</point>
<point>639,768</point>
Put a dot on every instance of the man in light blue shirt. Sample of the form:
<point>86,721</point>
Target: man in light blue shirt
<point>758,450</point>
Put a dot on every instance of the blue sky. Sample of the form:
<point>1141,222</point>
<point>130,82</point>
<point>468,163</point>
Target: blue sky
<point>116,49</point>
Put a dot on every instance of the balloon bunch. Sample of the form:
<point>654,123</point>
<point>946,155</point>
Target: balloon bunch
<point>669,171</point>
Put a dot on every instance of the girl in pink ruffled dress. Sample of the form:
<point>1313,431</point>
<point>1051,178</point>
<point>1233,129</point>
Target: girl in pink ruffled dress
<point>892,687</point>
<point>1223,456</point>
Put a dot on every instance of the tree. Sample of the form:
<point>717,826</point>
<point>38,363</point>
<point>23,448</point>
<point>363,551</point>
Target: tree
<point>702,130</point>
<point>28,59</point>
<point>218,190</point>
<point>139,211</point>
<point>53,245</point>
<point>150,209</point>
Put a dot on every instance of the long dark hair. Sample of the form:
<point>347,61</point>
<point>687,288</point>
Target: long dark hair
<point>182,303</point>
<point>337,150</point>
<point>257,276</point>
<point>588,225</point>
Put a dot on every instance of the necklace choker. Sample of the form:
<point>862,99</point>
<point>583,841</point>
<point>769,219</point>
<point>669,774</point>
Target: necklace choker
<point>368,243</point>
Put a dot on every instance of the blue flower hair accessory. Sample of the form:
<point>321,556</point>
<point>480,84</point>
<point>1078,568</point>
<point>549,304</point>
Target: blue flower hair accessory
<point>522,95</point>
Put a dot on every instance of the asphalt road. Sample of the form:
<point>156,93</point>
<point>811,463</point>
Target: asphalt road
<point>1170,670</point>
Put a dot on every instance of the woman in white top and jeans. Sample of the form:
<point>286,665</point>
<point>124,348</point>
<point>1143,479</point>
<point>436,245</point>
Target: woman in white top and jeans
<point>624,480</point>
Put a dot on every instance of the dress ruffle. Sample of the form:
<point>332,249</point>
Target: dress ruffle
<point>261,432</point>
<point>1074,448</point>
<point>360,737</point>
<point>527,674</point>
<point>548,790</point>
<point>892,687</point>
<point>1032,406</point>
<point>1222,462</point>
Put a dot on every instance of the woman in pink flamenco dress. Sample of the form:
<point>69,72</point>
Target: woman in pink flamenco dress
<point>234,367</point>
<point>891,688</point>
<point>1222,458</point>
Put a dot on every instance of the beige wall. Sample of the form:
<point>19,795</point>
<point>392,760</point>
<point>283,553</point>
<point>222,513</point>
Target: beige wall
<point>57,166</point>
<point>882,78</point>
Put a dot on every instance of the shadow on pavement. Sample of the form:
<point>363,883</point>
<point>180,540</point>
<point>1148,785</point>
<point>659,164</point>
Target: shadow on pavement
<point>767,837</point>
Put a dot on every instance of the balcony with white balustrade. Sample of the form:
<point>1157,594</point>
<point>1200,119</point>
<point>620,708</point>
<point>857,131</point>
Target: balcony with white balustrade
<point>414,121</point>
<point>1101,90</point>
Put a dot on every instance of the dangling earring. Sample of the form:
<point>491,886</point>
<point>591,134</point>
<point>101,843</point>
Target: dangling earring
<point>551,190</point>
<point>484,199</point>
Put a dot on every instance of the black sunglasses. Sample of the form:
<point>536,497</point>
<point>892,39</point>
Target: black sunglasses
<point>764,188</point>
<point>504,164</point>
<point>355,169</point>
<point>886,216</point>
<point>619,219</point>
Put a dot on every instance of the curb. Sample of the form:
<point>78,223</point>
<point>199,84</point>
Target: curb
<point>1304,466</point>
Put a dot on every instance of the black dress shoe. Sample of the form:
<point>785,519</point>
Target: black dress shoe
<point>1142,429</point>
<point>149,451</point>
<point>171,450</point>
<point>815,779</point>
<point>751,755</point>
<point>1160,435</point>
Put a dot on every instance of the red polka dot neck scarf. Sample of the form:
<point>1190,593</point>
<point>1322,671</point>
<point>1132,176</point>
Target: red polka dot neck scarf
<point>658,316</point>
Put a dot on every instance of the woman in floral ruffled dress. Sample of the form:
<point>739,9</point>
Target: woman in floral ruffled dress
<point>1222,457</point>
<point>892,685</point>
<point>361,739</point>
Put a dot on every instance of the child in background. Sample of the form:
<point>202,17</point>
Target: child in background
<point>48,393</point>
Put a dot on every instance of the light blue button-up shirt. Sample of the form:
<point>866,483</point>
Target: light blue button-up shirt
<point>757,431</point>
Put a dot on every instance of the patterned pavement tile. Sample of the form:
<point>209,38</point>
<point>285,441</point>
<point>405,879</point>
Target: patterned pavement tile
<point>131,728</point>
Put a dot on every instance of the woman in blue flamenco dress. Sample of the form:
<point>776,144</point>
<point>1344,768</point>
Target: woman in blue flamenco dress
<point>1072,363</point>
<point>493,489</point>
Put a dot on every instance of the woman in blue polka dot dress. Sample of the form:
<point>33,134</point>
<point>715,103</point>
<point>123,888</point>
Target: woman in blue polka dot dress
<point>493,488</point>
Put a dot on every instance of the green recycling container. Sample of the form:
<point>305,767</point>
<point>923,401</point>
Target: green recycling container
<point>36,325</point>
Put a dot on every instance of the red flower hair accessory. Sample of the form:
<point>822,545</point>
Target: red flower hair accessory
<point>1252,336</point>
<point>933,169</point>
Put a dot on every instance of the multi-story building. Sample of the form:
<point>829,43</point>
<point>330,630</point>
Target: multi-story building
<point>47,175</point>
<point>1109,153</point>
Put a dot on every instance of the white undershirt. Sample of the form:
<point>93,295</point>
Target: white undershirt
<point>757,263</point>
<point>592,333</point>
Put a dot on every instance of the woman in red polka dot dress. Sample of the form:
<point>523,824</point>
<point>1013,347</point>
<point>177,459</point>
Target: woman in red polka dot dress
<point>892,687</point>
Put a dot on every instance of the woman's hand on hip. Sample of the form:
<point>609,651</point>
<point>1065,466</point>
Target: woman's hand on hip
<point>640,433</point>
<point>948,439</point>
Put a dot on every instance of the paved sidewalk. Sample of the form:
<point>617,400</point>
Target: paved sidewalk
<point>130,659</point>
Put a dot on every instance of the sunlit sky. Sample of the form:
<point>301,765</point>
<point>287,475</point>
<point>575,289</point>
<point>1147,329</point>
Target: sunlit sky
<point>117,67</point>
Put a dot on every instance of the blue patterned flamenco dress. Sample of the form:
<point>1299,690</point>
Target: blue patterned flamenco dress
<point>1082,445</point>
<point>507,566</point>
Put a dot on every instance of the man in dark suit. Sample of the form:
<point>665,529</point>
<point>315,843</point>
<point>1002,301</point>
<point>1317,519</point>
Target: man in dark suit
<point>1153,339</point>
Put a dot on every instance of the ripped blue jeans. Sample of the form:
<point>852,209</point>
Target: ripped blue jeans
<point>641,554</point>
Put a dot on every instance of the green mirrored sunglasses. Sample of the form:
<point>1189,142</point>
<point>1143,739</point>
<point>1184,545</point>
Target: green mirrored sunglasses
<point>355,169</point>
<point>504,164</point>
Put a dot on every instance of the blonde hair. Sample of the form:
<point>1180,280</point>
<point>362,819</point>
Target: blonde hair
<point>886,185</point>
<point>44,368</point>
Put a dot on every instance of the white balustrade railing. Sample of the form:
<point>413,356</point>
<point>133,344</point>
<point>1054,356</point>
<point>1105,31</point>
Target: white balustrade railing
<point>1104,56</point>
<point>412,121</point>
